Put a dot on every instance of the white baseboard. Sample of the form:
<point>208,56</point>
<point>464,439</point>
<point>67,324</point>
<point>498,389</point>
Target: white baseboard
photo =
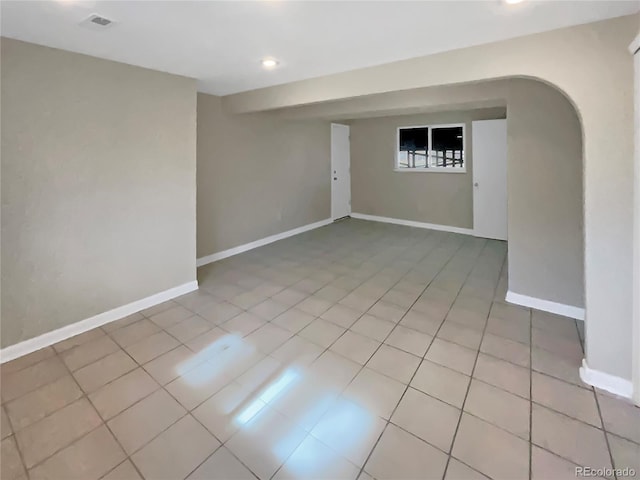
<point>411,223</point>
<point>214,257</point>
<point>46,339</point>
<point>605,381</point>
<point>545,305</point>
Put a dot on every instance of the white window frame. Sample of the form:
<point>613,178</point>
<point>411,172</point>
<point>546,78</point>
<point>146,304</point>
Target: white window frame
<point>397,168</point>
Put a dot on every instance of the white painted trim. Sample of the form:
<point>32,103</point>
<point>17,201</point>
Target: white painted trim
<point>605,381</point>
<point>545,305</point>
<point>411,223</point>
<point>46,339</point>
<point>635,45</point>
<point>214,257</point>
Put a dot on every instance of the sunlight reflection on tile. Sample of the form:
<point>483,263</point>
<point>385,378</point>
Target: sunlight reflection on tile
<point>225,351</point>
<point>274,389</point>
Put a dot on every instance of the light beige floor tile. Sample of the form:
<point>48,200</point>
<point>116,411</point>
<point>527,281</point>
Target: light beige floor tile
<point>290,297</point>
<point>557,366</point>
<point>297,350</point>
<point>33,406</point>
<point>86,353</point>
<point>219,312</point>
<point>161,307</point>
<point>387,311</point>
<point>5,425</point>
<point>558,433</point>
<point>626,454</point>
<point>394,363</point>
<point>399,455</point>
<point>268,338</point>
<point>99,373</point>
<point>135,332</point>
<point>355,347</point>
<point>499,407</point>
<point>261,374</point>
<point>400,298</point>
<point>509,312</point>
<point>124,471</point>
<point>11,467</point>
<point>243,324</point>
<point>314,460</point>
<point>554,324</point>
<point>451,355</point>
<point>123,392</point>
<point>78,340</point>
<point>123,322</point>
<point>248,299</point>
<point>140,423</point>
<point>350,429</point>
<point>189,328</point>
<point>428,418</point>
<point>505,375</point>
<point>505,349</point>
<point>170,456</point>
<point>172,364</point>
<point>459,471</point>
<point>341,315</point>
<point>314,305</point>
<point>620,417</point>
<point>321,332</point>
<point>269,309</point>
<point>293,320</point>
<point>467,337</point>
<point>219,413</point>
<point>26,361</point>
<point>421,322</point>
<point>358,301</point>
<point>571,349</point>
<point>378,393</point>
<point>331,293</point>
<point>571,400</point>
<point>468,318</point>
<point>207,344</point>
<point>518,331</point>
<point>198,384</point>
<point>333,371</point>
<point>151,347</point>
<point>441,382</point>
<point>222,465</point>
<point>88,458</point>
<point>491,450</point>
<point>372,327</point>
<point>17,383</point>
<point>546,465</point>
<point>45,437</point>
<point>267,427</point>
<point>411,341</point>
<point>171,316</point>
<point>196,301</point>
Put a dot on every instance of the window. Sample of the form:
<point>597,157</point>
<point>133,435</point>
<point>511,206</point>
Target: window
<point>431,148</point>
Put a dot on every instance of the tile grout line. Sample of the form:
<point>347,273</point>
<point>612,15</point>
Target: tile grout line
<point>530,394</point>
<point>433,337</point>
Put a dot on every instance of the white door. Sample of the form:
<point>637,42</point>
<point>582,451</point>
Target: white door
<point>489,144</point>
<point>340,171</point>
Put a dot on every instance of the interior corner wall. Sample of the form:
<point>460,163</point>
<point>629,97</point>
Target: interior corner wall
<point>545,192</point>
<point>258,175</point>
<point>98,186</point>
<point>438,198</point>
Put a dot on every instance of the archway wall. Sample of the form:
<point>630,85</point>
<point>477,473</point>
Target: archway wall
<point>592,66</point>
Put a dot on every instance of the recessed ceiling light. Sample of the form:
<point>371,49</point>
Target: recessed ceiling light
<point>513,2</point>
<point>269,63</point>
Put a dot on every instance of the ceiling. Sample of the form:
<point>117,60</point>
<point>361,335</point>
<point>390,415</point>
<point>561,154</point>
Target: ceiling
<point>222,43</point>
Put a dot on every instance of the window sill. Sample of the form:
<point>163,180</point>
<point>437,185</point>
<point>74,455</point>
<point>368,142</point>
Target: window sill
<point>430,170</point>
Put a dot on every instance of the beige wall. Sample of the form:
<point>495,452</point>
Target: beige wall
<point>98,186</point>
<point>376,189</point>
<point>258,175</point>
<point>591,64</point>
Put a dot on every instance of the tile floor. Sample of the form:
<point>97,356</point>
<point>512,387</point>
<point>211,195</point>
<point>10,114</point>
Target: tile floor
<point>359,350</point>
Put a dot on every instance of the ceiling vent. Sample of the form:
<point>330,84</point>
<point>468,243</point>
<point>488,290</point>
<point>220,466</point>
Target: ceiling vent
<point>96,22</point>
